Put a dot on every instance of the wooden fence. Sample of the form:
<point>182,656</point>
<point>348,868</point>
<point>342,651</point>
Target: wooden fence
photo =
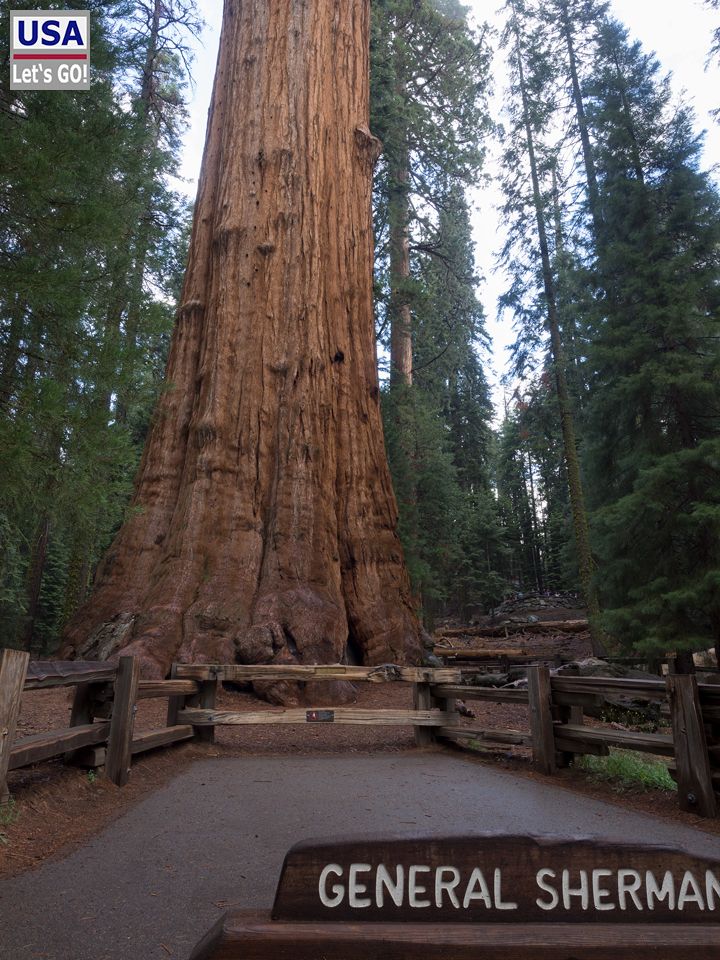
<point>557,731</point>
<point>101,726</point>
<point>101,722</point>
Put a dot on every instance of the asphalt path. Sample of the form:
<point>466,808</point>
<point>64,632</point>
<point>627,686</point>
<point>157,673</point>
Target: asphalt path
<point>150,885</point>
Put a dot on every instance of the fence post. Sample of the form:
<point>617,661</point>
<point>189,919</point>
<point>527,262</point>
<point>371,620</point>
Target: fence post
<point>424,700</point>
<point>175,703</point>
<point>119,748</point>
<point>13,668</point>
<point>204,699</point>
<point>85,704</point>
<point>541,720</point>
<point>694,778</point>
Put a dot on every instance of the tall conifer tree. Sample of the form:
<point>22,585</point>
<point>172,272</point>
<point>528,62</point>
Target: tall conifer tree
<point>530,116</point>
<point>654,418</point>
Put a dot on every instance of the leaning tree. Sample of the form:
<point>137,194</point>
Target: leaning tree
<point>264,525</point>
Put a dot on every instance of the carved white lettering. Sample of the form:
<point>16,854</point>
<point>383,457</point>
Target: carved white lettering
<point>600,894</point>
<point>396,888</point>
<point>338,889</point>
<point>583,891</point>
<point>355,888</point>
<point>447,886</point>
<point>415,889</point>
<point>659,893</point>
<point>546,888</point>
<point>712,889</point>
<point>690,892</point>
<point>497,890</point>
<point>477,889</point>
<point>629,882</point>
<point>420,886</point>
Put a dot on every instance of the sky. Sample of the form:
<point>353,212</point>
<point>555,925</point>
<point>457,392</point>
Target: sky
<point>678,31</point>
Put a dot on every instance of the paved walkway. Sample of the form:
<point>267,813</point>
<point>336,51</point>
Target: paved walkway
<point>149,886</point>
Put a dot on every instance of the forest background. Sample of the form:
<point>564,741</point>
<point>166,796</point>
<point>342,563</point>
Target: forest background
<point>594,466</point>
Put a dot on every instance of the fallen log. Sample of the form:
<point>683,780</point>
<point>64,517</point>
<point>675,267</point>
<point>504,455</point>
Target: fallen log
<point>511,626</point>
<point>478,653</point>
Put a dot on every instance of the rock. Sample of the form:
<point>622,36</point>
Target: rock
<point>592,667</point>
<point>432,661</point>
<point>488,680</point>
<point>463,710</point>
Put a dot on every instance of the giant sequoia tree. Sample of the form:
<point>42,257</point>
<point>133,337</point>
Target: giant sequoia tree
<point>264,522</point>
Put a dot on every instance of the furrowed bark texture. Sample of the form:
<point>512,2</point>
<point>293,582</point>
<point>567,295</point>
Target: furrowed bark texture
<point>266,528</point>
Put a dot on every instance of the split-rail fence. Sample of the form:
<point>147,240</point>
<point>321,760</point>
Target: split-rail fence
<point>101,725</point>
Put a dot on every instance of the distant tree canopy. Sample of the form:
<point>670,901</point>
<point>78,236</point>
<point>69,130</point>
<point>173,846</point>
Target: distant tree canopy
<point>430,81</point>
<point>634,231</point>
<point>92,247</point>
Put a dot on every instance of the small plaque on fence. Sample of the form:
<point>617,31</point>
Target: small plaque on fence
<point>320,716</point>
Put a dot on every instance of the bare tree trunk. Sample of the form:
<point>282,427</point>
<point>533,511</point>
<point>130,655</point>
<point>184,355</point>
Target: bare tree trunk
<point>580,116</point>
<point>401,358</point>
<point>264,526</point>
<point>11,355</point>
<point>534,527</point>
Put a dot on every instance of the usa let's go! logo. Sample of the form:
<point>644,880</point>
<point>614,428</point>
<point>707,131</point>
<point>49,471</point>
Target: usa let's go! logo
<point>49,50</point>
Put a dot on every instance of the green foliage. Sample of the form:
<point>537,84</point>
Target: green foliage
<point>654,412</point>
<point>9,815</point>
<point>533,493</point>
<point>429,79</point>
<point>635,243</point>
<point>91,246</point>
<point>715,48</point>
<point>429,76</point>
<point>628,771</point>
<point>540,261</point>
<point>425,488</point>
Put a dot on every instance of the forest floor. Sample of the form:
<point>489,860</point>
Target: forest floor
<point>57,808</point>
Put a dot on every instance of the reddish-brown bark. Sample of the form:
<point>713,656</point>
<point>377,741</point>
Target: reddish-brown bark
<point>265,522</point>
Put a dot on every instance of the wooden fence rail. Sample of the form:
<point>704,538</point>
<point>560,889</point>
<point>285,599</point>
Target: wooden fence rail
<point>100,730</point>
<point>557,731</point>
<point>101,727</point>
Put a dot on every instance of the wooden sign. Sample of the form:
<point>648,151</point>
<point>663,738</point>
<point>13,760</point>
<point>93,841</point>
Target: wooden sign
<point>481,898</point>
<point>495,879</point>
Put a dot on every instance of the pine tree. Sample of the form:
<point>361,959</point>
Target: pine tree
<point>531,116</point>
<point>441,438</point>
<point>67,180</point>
<point>715,48</point>
<point>429,79</point>
<point>429,74</point>
<point>654,417</point>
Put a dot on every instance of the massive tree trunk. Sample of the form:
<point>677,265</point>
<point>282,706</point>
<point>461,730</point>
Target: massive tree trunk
<point>264,527</point>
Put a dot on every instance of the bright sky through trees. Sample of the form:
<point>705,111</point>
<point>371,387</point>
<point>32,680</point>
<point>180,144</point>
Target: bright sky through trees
<point>679,32</point>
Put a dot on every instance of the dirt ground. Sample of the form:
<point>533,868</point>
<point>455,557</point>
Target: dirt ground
<point>57,808</point>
